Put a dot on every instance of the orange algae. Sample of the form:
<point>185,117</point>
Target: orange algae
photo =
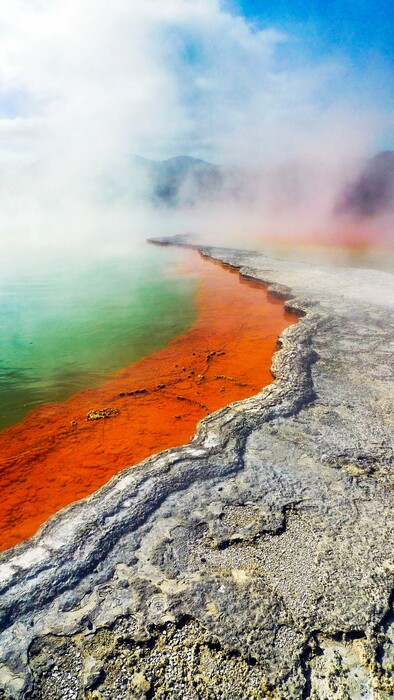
<point>62,452</point>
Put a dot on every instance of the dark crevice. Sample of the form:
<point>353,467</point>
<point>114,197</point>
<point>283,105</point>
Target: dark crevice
<point>348,637</point>
<point>99,680</point>
<point>225,544</point>
<point>307,654</point>
<point>150,694</point>
<point>381,630</point>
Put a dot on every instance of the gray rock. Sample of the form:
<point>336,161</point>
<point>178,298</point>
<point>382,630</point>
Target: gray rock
<point>255,562</point>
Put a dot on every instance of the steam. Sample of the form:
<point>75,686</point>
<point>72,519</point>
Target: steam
<point>85,86</point>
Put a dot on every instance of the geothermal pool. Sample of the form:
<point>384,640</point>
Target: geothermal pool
<point>67,325</point>
<point>204,338</point>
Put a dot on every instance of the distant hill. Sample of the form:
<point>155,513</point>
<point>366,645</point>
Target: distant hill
<point>185,181</point>
<point>373,191</point>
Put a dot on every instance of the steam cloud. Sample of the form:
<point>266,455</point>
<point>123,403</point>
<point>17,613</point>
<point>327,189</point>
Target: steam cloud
<point>86,86</point>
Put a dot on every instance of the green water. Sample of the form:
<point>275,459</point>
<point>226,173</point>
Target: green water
<point>69,327</point>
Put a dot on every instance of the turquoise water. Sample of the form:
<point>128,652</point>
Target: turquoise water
<point>70,326</point>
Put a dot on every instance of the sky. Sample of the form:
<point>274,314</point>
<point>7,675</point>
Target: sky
<point>358,33</point>
<point>85,83</point>
<point>359,29</point>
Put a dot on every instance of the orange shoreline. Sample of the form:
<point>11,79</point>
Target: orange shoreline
<point>56,456</point>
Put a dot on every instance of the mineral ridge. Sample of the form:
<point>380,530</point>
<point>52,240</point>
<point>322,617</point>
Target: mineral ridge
<point>255,562</point>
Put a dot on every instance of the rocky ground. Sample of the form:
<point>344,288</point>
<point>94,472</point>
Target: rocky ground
<point>255,562</point>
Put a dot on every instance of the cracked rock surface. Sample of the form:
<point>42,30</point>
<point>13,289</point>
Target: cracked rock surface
<point>255,562</point>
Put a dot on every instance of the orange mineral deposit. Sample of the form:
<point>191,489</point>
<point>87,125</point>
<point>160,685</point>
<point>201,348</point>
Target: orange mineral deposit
<point>62,452</point>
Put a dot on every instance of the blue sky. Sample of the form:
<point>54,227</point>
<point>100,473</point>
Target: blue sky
<point>360,33</point>
<point>361,29</point>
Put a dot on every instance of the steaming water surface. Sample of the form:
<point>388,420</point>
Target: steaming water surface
<point>70,326</point>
